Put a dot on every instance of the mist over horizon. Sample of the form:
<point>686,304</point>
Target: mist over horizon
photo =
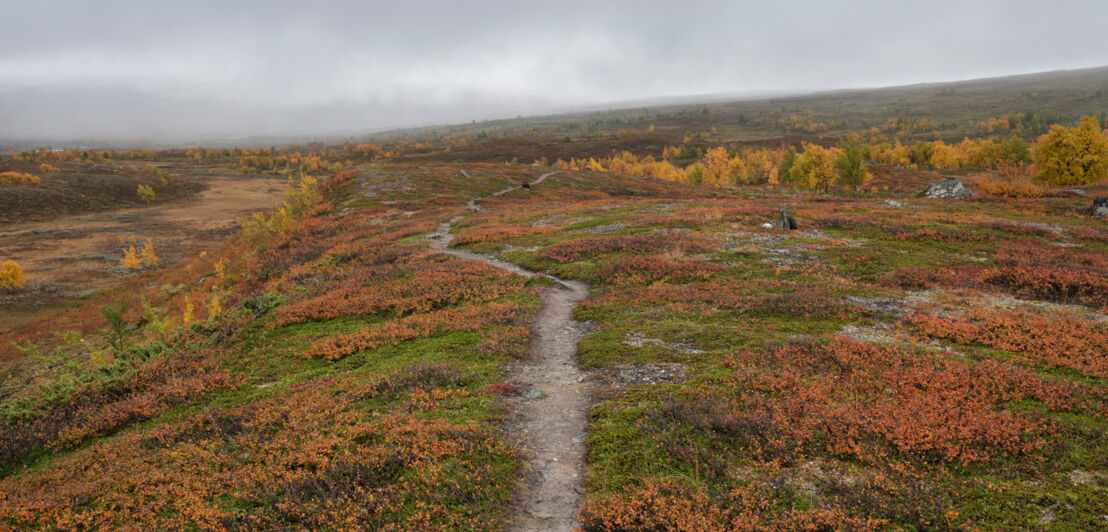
<point>168,73</point>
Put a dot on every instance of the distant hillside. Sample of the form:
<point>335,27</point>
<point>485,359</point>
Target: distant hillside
<point>952,109</point>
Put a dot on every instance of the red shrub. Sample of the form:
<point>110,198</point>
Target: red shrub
<point>867,401</point>
<point>671,505</point>
<point>645,269</point>
<point>498,233</point>
<point>919,277</point>
<point>1053,274</point>
<point>1058,339</point>
<point>429,287</point>
<point>572,250</point>
<point>467,318</point>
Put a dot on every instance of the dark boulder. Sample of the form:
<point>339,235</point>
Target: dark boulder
<point>1100,206</point>
<point>784,220</point>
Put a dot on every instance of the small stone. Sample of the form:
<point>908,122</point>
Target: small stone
<point>534,393</point>
<point>893,203</point>
<point>1081,478</point>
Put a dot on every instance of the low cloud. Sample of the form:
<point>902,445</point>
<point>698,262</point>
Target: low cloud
<point>139,69</point>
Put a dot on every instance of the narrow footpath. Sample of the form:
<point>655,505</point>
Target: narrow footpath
<point>550,419</point>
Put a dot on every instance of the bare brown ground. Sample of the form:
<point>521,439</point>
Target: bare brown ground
<point>71,257</point>
<point>550,420</point>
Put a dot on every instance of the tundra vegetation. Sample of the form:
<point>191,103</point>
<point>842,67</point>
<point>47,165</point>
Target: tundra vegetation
<point>896,363</point>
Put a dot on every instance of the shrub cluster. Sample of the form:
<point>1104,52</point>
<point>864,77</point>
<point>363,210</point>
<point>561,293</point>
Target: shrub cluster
<point>14,179</point>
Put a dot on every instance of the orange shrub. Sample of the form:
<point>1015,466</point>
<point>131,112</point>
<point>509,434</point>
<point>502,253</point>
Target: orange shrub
<point>430,287</point>
<point>649,268</point>
<point>498,233</point>
<point>467,318</point>
<point>772,297</point>
<point>311,459</point>
<point>671,505</point>
<point>1053,274</point>
<point>1057,339</point>
<point>1012,188</point>
<point>12,179</point>
<point>150,389</point>
<point>874,404</point>
<point>572,250</point>
<point>11,275</point>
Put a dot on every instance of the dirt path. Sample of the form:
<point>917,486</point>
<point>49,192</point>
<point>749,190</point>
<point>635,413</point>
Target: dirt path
<point>551,418</point>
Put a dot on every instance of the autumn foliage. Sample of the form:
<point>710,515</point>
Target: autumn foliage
<point>1043,273</point>
<point>467,318</point>
<point>311,459</point>
<point>572,250</point>
<point>1074,156</point>
<point>1059,339</point>
<point>11,275</point>
<point>889,365</point>
<point>432,285</point>
<point>12,179</point>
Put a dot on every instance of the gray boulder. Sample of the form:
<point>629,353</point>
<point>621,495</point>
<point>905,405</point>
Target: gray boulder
<point>1100,206</point>
<point>784,220</point>
<point>949,188</point>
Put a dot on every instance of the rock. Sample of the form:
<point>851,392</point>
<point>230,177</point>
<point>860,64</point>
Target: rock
<point>635,339</point>
<point>602,229</point>
<point>893,203</point>
<point>1047,516</point>
<point>1076,192</point>
<point>949,188</point>
<point>1100,206</point>
<point>536,477</point>
<point>785,220</point>
<point>649,373</point>
<point>1081,478</point>
<point>883,305</point>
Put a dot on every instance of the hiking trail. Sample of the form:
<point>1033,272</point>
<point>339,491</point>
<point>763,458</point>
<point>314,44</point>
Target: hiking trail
<point>550,417</point>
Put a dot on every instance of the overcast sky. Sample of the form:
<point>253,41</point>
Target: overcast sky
<point>108,68</point>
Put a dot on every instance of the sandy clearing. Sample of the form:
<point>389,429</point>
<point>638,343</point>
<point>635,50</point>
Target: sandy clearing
<point>73,256</point>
